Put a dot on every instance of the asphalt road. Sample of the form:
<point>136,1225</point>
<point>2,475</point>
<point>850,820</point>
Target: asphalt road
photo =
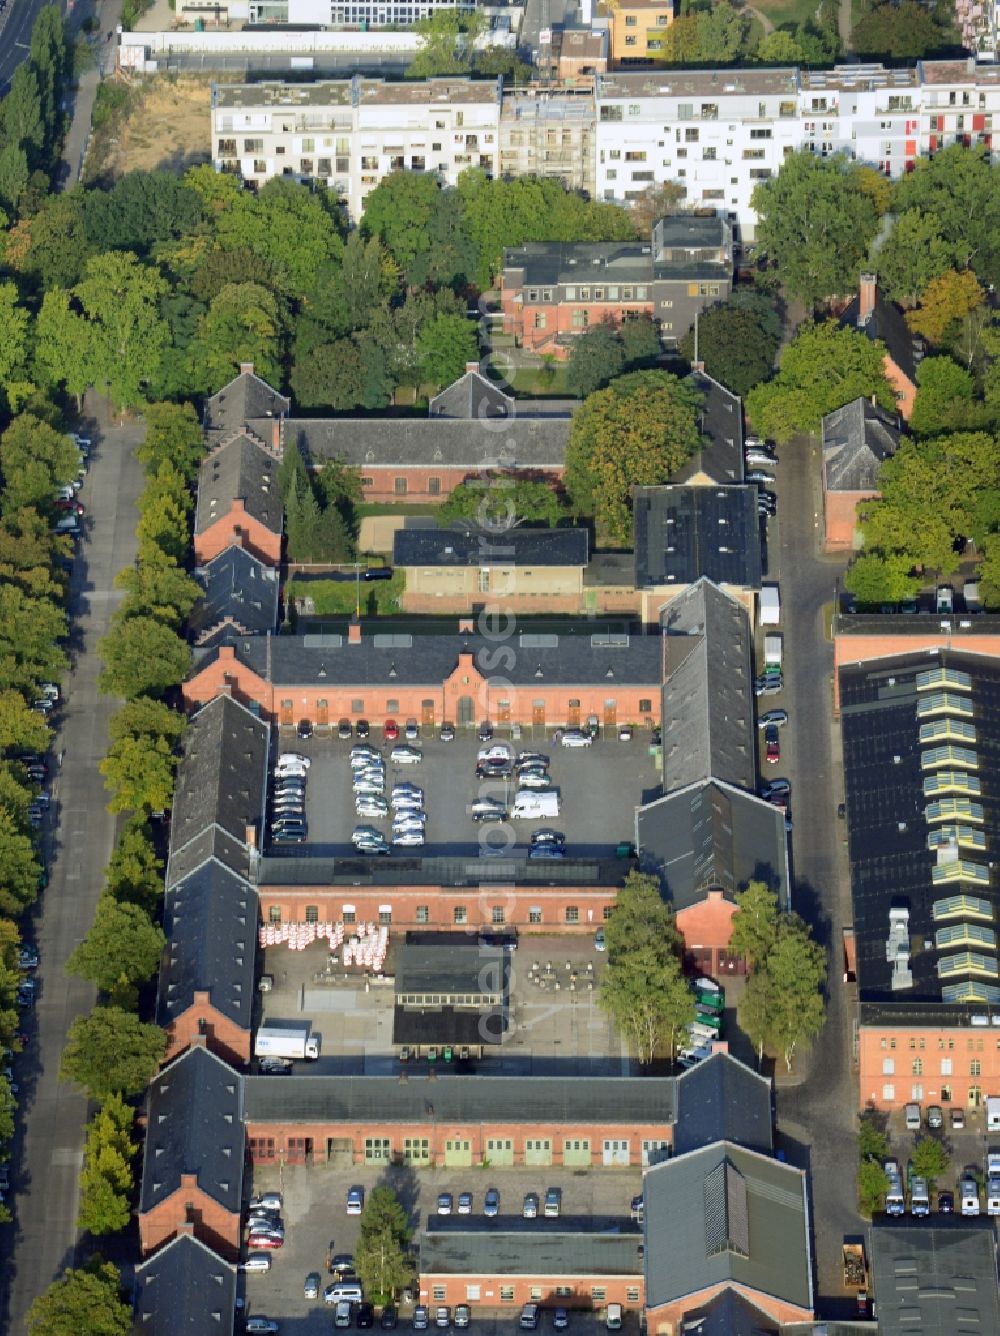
<point>15,35</point>
<point>816,1119</point>
<point>48,1146</point>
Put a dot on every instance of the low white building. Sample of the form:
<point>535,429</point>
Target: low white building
<point>350,133</point>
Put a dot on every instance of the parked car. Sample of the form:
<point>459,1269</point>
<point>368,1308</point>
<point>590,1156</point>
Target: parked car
<point>552,853</point>
<point>529,1207</point>
<point>406,755</point>
<point>958,1119</point>
<point>442,1317</point>
<point>344,729</point>
<point>421,1318</point>
<point>304,729</point>
<point>412,839</point>
<point>256,1261</point>
<point>390,730</point>
<point>777,717</point>
<point>342,1264</point>
<point>270,1201</point>
<point>275,1067</point>
<point>445,1202</point>
<point>547,836</point>
<point>760,477</point>
<point>261,1326</point>
<point>600,941</point>
<point>365,1316</point>
<point>266,1241</point>
<point>946,1203</point>
<point>463,1316</point>
<point>772,744</point>
<point>342,1314</point>
<point>771,788</point>
<point>935,1116</point>
<point>412,730</point>
<point>491,1203</point>
<point>355,1200</point>
<point>362,728</point>
<point>465,1203</point>
<point>389,1319</point>
<point>768,686</point>
<point>560,1319</point>
<point>553,1203</point>
<point>573,737</point>
<point>447,732</point>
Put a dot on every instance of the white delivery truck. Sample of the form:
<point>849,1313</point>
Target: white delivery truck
<point>992,1113</point>
<point>286,1040</point>
<point>534,804</point>
<point>769,606</point>
<point>772,651</point>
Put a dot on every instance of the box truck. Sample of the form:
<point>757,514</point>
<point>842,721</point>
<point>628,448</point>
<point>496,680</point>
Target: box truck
<point>772,651</point>
<point>532,804</point>
<point>286,1041</point>
<point>769,606</point>
<point>992,1113</point>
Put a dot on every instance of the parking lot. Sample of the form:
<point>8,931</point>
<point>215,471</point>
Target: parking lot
<point>318,1227</point>
<point>599,788</point>
<point>966,1147</point>
<point>553,1011</point>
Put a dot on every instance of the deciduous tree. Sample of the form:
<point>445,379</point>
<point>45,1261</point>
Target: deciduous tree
<point>874,579</point>
<point>873,1184</point>
<point>796,968</point>
<point>960,188</point>
<point>142,657</point>
<point>946,300</point>
<point>891,31</point>
<point>930,1159</point>
<point>174,436</point>
<point>944,397</point>
<point>737,341</point>
<point>111,1052</point>
<point>135,873</point>
<point>106,1180</point>
<point>36,461</point>
<point>380,1256</point>
<point>503,500</point>
<point>755,923</point>
<point>123,948</point>
<point>244,323</point>
<point>118,296</point>
<point>87,1300</point>
<point>444,346</point>
<point>912,255</point>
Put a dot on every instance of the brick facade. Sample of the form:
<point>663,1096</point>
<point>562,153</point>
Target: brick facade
<point>904,388</point>
<point>554,1144</point>
<point>237,528</point>
<point>956,1066</point>
<point>860,648</point>
<point>840,518</point>
<point>409,484</point>
<point>665,1320</point>
<point>549,328</point>
<point>707,928</point>
<point>213,1224</point>
<point>576,1292</point>
<point>219,1032</point>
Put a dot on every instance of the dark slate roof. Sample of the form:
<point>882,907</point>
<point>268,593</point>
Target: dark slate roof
<point>478,547</point>
<point>194,1126</point>
<point>936,1279</point>
<point>677,253</point>
<point>857,439</point>
<point>472,396</point>
<point>220,789</point>
<point>241,597</point>
<point>711,836</point>
<point>184,1288</point>
<point>888,324</point>
<point>427,660</point>
<point>685,532</point>
<point>890,819</point>
<point>725,1215</point>
<point>730,1313</point>
<point>456,1099</point>
<point>210,919</point>
<point>449,1025</point>
<point>720,421</point>
<point>721,1099</point>
<point>708,703</point>
<point>448,443</point>
<point>459,966</point>
<point>543,1251</point>
<point>245,398</point>
<point>239,470</point>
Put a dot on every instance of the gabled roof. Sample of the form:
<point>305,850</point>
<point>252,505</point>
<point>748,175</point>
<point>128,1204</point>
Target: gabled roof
<point>245,398</point>
<point>720,455</point>
<point>708,709</point>
<point>241,597</point>
<point>240,470</point>
<point>210,920</point>
<point>475,547</point>
<point>194,1126</point>
<point>472,396</point>
<point>725,1215</point>
<point>475,445</point>
<point>711,836</point>
<point>888,324</point>
<point>857,439</point>
<point>721,1099</point>
<point>685,532</point>
<point>219,790</point>
<point>395,659</point>
<point>184,1288</point>
<point>936,1279</point>
<point>730,1313</point>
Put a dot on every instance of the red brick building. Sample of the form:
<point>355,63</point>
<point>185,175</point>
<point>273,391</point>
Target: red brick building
<point>880,319</point>
<point>857,440</point>
<point>238,501</point>
<point>462,678</point>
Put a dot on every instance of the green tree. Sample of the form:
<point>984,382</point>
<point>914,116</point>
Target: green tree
<point>23,123</point>
<point>815,221</point>
<point>502,499</point>
<point>755,924</point>
<point>912,255</point>
<point>111,1052</point>
<point>654,202</point>
<point>243,324</point>
<point>930,1159</point>
<point>737,341</point>
<point>15,384</point>
<point>989,572</point>
<point>595,358</point>
<point>158,587</point>
<point>86,1300</point>
<point>896,31</point>
<point>873,1144</point>
<point>944,396</point>
<point>874,579</point>
<point>450,259</point>
<point>174,436</point>
<point>30,631</point>
<point>780,48</point>
<point>118,296</point>
<point>20,870</point>
<point>380,1257</point>
<point>20,727</point>
<point>106,1180</point>
<point>444,346</point>
<point>63,352</point>
<point>122,949</point>
<point>14,173</point>
<point>135,873</point>
<point>139,771</point>
<point>873,1184</point>
<point>824,367</point>
<point>398,212</point>
<point>141,209</point>
<point>447,37</point>
<point>637,432</point>
<point>796,969</point>
<point>142,657</point>
<point>51,247</point>
<point>959,188</point>
<point>36,461</point>
<point>643,988</point>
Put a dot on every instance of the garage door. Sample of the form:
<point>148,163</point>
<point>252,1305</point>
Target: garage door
<point>340,1151</point>
<point>458,1154</point>
<point>500,1152</point>
<point>538,1152</point>
<point>576,1153</point>
<point>616,1152</point>
<point>655,1152</point>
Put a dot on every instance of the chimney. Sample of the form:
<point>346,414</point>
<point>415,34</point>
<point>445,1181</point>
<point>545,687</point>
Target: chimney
<point>466,626</point>
<point>246,368</point>
<point>354,632</point>
<point>250,835</point>
<point>866,298</point>
<point>238,505</point>
<point>227,654</point>
<point>276,435</point>
<point>471,367</point>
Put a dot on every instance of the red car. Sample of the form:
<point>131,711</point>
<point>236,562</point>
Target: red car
<point>391,730</point>
<point>264,1241</point>
<point>71,507</point>
<point>772,744</point>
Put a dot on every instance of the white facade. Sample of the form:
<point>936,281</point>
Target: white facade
<point>351,133</point>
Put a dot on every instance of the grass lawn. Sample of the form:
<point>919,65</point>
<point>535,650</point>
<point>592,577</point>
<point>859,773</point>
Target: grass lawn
<point>786,11</point>
<point>329,597</point>
<point>539,383</point>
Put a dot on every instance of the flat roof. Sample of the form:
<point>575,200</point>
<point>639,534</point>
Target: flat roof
<point>669,82</point>
<point>935,1278</point>
<point>311,865</point>
<point>459,965</point>
<point>535,1251</point>
<point>954,625</point>
<point>921,739</point>
<point>278,93</point>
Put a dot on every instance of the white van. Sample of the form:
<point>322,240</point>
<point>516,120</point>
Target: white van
<point>913,1117</point>
<point>530,804</point>
<point>992,1113</point>
<point>993,1196</point>
<point>702,1034</point>
<point>613,1318</point>
<point>968,1191</point>
<point>345,1291</point>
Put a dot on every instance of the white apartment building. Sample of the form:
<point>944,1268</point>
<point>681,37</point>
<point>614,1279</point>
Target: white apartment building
<point>350,133</point>
<point>719,133</point>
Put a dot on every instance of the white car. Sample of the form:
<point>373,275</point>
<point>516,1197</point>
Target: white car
<point>371,805</point>
<point>411,838</point>
<point>759,476</point>
<point>409,823</point>
<point>574,738</point>
<point>369,786</point>
<point>406,755</point>
<point>257,1261</point>
<point>403,808</point>
<point>407,791</point>
<point>534,779</point>
<point>294,758</point>
<point>261,1326</point>
<point>496,751</point>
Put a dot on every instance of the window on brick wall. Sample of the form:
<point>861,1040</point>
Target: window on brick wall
<point>506,1294</point>
<point>312,913</point>
<point>460,914</point>
<point>423,914</point>
<point>274,914</point>
<point>534,914</point>
<point>572,914</point>
<point>498,915</point>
